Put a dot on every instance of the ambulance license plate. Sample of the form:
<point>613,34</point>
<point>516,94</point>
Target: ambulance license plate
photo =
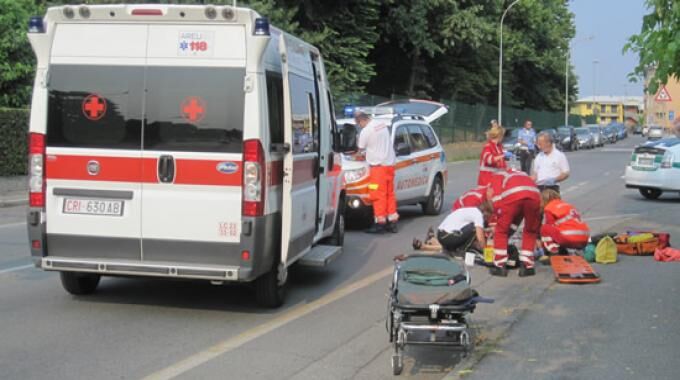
<point>93,207</point>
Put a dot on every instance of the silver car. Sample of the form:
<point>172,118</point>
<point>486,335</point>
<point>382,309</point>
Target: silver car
<point>655,132</point>
<point>584,138</point>
<point>598,135</point>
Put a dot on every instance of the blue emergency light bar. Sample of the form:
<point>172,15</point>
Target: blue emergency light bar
<point>348,110</point>
<point>261,26</point>
<point>36,25</point>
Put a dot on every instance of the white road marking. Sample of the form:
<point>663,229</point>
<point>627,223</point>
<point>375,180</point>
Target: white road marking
<point>620,216</point>
<point>12,225</point>
<point>582,183</point>
<point>230,344</point>
<point>16,269</point>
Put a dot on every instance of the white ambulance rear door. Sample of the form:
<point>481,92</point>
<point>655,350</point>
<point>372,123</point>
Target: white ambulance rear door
<point>93,154</point>
<point>301,163</point>
<point>193,140</point>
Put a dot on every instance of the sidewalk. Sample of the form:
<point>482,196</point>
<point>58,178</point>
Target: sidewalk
<point>13,191</point>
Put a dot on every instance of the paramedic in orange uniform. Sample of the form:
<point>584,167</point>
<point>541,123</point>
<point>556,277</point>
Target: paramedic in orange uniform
<point>376,140</point>
<point>562,226</point>
<point>492,158</point>
<point>515,197</point>
<point>470,198</point>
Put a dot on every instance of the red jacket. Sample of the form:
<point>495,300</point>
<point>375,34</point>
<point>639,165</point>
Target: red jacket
<point>470,198</point>
<point>488,163</point>
<point>509,186</point>
<point>565,217</point>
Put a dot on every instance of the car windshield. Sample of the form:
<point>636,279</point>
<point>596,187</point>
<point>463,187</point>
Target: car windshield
<point>582,131</point>
<point>594,129</point>
<point>563,130</point>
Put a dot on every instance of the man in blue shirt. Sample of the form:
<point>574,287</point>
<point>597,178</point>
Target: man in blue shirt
<point>527,139</point>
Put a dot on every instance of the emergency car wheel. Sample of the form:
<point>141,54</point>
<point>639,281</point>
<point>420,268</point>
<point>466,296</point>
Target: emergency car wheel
<point>270,288</point>
<point>433,205</point>
<point>650,193</point>
<point>79,283</point>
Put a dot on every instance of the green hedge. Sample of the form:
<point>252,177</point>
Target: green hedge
<point>13,141</point>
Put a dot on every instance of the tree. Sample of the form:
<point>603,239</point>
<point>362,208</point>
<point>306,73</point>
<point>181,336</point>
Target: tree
<point>658,43</point>
<point>17,63</point>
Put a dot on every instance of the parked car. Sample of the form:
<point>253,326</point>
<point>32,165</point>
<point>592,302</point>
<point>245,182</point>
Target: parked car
<point>621,130</point>
<point>510,140</point>
<point>421,170</point>
<point>645,130</point>
<point>598,136</point>
<point>567,138</point>
<point>637,130</point>
<point>655,133</point>
<point>609,134</point>
<point>654,167</point>
<point>555,137</point>
<point>585,138</point>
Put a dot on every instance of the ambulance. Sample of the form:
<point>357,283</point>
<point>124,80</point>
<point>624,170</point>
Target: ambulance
<point>421,169</point>
<point>181,142</point>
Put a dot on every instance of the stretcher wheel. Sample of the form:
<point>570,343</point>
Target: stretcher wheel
<point>397,364</point>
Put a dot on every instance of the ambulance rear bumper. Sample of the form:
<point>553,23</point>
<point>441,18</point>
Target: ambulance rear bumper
<point>136,268</point>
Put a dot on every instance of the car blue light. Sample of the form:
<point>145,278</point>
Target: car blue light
<point>349,110</point>
<point>36,25</point>
<point>261,26</point>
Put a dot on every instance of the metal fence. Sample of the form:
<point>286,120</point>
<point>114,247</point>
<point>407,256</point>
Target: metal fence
<point>468,122</point>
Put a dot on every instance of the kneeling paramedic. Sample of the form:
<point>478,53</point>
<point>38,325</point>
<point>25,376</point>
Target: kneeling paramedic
<point>376,140</point>
<point>464,227</point>
<point>562,227</point>
<point>515,198</point>
<point>471,198</point>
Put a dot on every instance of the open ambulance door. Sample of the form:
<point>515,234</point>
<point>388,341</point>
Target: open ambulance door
<point>429,110</point>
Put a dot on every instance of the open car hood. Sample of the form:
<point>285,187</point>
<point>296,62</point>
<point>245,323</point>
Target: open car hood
<point>428,109</point>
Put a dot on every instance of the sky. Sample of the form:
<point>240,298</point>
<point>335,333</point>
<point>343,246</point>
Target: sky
<point>610,23</point>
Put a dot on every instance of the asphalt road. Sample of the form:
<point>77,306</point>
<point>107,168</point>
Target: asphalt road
<point>332,325</point>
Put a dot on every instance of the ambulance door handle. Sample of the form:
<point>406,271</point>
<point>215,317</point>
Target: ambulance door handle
<point>166,169</point>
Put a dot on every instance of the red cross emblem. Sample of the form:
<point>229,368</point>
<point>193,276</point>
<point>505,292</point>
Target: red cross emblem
<point>193,109</point>
<point>94,107</point>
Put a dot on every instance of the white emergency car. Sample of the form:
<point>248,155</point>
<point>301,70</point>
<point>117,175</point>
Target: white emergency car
<point>180,141</point>
<point>421,171</point>
<point>655,168</point>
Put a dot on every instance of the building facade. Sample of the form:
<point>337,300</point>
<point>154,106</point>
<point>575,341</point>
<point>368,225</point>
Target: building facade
<point>610,109</point>
<point>663,106</point>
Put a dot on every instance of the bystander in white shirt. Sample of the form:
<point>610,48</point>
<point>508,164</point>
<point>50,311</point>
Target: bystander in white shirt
<point>549,167</point>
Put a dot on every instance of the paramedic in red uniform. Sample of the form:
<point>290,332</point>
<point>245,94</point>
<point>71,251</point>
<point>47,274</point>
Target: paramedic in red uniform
<point>562,226</point>
<point>376,140</point>
<point>515,197</point>
<point>470,198</point>
<point>492,158</point>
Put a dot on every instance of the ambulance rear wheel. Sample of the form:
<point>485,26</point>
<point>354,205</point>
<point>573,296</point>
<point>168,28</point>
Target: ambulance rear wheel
<point>270,288</point>
<point>433,205</point>
<point>650,193</point>
<point>79,284</point>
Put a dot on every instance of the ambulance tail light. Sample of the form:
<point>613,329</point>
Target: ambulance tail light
<point>36,169</point>
<point>253,178</point>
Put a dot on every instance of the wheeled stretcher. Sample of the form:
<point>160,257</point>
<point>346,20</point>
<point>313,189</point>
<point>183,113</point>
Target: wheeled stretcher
<point>429,299</point>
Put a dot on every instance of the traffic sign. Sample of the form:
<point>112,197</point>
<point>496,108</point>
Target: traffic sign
<point>663,95</point>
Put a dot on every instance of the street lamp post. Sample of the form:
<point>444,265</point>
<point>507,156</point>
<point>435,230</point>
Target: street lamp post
<point>500,64</point>
<point>566,81</point>
<point>595,62</point>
